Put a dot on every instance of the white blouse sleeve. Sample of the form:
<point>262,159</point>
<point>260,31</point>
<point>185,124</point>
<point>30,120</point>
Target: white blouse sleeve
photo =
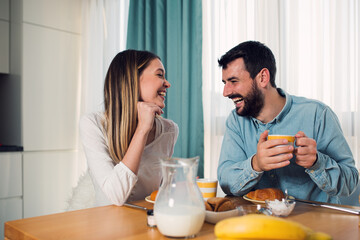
<point>116,181</point>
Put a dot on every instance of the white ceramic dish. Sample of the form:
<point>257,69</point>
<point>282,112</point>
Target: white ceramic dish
<point>252,200</point>
<point>260,202</point>
<point>149,200</point>
<point>214,217</point>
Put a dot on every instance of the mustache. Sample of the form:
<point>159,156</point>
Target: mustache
<point>235,96</point>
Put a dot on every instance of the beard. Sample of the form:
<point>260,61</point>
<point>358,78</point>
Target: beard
<point>253,103</point>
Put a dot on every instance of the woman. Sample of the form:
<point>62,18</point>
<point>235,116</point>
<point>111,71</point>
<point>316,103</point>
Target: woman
<point>124,144</point>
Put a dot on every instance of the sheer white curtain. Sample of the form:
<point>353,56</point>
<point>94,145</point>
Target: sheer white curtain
<point>315,43</point>
<point>226,24</point>
<point>320,57</point>
<point>104,28</point>
<point>103,36</point>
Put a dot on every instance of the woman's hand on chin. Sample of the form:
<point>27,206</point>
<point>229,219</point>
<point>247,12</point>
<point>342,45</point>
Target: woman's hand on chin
<point>146,114</point>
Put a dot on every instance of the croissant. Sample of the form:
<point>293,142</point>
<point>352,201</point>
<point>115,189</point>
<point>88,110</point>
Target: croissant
<point>266,194</point>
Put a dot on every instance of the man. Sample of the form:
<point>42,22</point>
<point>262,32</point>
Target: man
<point>320,167</point>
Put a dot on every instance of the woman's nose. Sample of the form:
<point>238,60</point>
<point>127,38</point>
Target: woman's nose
<point>167,84</point>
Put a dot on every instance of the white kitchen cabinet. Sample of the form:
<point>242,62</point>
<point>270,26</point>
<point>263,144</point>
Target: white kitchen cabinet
<point>63,15</point>
<point>51,66</point>
<point>4,46</point>
<point>48,181</point>
<point>45,72</point>
<point>10,174</point>
<point>4,36</point>
<point>10,209</point>
<point>10,188</point>
<point>5,10</point>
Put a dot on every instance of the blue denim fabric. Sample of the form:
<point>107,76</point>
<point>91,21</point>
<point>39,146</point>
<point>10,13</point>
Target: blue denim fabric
<point>333,175</point>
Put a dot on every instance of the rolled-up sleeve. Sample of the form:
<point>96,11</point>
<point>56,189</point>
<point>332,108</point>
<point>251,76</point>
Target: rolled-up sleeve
<point>334,172</point>
<point>235,173</point>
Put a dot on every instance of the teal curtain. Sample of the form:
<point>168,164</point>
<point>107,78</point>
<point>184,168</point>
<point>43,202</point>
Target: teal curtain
<point>173,30</point>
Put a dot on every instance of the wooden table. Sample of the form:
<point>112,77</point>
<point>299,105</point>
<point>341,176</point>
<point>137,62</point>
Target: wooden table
<point>113,222</point>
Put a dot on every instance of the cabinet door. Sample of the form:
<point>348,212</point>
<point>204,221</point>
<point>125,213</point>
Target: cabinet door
<point>10,175</point>
<point>50,99</point>
<point>48,181</point>
<point>4,46</point>
<point>4,36</point>
<point>10,209</point>
<point>63,15</point>
<point>5,10</point>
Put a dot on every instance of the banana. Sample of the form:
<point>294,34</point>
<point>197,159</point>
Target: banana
<point>258,226</point>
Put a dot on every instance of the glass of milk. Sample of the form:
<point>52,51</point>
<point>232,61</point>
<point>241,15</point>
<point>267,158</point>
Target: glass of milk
<point>179,208</point>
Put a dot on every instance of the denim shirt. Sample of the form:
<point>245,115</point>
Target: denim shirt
<point>334,174</point>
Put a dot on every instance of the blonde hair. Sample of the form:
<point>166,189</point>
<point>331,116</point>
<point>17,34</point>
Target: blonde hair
<point>121,95</point>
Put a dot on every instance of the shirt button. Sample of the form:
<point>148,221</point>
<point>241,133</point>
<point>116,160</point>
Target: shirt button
<point>272,175</point>
<point>252,175</point>
<point>312,171</point>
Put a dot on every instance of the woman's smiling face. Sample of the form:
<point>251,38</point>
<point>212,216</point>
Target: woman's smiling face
<point>153,84</point>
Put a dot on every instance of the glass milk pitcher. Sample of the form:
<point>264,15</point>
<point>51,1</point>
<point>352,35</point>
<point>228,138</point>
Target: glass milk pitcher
<point>179,208</point>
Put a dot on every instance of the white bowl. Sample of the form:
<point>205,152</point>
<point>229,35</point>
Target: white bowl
<point>280,208</point>
<point>214,217</point>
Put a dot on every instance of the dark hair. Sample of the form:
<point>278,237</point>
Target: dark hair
<point>256,56</point>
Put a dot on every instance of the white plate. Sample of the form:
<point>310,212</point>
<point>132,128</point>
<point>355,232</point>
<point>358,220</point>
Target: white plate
<point>260,202</point>
<point>149,200</point>
<point>214,217</point>
<point>253,201</point>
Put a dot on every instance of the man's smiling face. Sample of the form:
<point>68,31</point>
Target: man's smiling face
<point>242,89</point>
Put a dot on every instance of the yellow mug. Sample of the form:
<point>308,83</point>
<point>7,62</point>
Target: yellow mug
<point>291,139</point>
<point>208,187</point>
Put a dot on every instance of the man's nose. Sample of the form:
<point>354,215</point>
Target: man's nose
<point>227,90</point>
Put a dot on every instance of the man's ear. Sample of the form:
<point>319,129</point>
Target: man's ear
<point>263,77</point>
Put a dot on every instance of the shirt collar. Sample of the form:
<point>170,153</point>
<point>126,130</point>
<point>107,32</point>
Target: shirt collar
<point>283,112</point>
<point>287,106</point>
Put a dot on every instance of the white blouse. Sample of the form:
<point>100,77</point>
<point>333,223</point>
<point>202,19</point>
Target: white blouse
<point>116,183</point>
